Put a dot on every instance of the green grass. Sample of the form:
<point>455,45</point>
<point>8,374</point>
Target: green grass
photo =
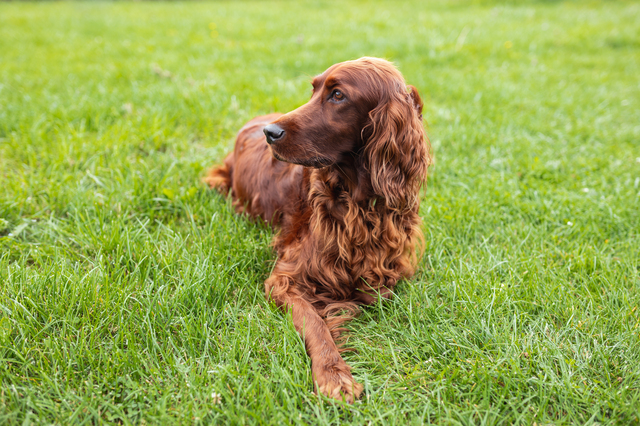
<point>131,294</point>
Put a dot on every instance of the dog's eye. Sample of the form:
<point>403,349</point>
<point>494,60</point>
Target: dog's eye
<point>337,95</point>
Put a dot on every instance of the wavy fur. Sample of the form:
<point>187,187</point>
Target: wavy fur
<point>349,230</point>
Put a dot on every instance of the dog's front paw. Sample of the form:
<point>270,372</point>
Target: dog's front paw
<point>335,381</point>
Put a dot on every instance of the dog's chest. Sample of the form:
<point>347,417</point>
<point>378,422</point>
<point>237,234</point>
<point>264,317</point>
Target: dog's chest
<point>352,234</point>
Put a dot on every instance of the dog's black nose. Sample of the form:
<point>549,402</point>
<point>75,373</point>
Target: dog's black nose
<point>273,132</point>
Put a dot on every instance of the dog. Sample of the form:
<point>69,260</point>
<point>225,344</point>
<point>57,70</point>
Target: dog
<point>340,177</point>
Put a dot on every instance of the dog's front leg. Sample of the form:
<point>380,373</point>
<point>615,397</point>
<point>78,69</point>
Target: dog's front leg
<point>332,376</point>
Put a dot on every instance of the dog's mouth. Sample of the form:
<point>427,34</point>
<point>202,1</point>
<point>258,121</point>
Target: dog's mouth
<point>314,162</point>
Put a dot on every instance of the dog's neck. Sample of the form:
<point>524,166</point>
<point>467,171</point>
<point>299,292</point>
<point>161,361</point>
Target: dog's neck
<point>352,179</point>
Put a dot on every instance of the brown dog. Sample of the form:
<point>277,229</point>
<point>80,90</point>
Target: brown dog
<point>340,175</point>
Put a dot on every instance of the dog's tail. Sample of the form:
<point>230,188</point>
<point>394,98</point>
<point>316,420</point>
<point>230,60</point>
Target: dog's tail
<point>220,177</point>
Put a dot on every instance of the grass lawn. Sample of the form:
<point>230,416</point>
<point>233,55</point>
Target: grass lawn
<point>129,293</point>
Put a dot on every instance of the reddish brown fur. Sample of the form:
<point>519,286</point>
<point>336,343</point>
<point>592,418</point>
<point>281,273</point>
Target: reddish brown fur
<point>345,196</point>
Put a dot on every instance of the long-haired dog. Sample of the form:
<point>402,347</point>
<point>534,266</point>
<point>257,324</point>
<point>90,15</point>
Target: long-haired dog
<point>340,176</point>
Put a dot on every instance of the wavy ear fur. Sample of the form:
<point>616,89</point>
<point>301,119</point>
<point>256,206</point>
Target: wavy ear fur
<point>397,150</point>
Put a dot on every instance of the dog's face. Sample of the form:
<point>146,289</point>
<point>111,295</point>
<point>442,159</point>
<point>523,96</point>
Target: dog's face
<point>329,128</point>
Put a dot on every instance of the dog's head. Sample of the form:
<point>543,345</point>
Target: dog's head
<point>360,108</point>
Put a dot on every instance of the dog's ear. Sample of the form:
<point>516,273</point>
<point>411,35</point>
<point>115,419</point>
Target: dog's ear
<point>397,150</point>
<point>417,102</point>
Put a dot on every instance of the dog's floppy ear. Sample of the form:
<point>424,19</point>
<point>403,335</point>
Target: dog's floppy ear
<point>417,102</point>
<point>397,151</point>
